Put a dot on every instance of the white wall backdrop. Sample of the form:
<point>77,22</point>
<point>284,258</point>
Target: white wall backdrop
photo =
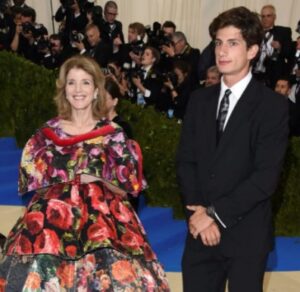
<point>191,16</point>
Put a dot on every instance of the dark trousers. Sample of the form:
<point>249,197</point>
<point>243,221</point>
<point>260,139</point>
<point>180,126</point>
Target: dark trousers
<point>208,270</point>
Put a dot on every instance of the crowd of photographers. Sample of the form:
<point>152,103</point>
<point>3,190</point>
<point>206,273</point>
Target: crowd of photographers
<point>156,66</point>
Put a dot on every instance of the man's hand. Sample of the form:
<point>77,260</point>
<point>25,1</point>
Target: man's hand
<point>200,224</point>
<point>211,236</point>
<point>169,50</point>
<point>199,221</point>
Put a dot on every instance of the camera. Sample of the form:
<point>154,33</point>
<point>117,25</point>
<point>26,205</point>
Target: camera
<point>137,47</point>
<point>76,36</point>
<point>156,37</point>
<point>170,76</point>
<point>27,27</point>
<point>137,73</point>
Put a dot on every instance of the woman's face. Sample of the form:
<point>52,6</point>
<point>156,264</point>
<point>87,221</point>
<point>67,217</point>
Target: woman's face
<point>148,58</point>
<point>80,89</point>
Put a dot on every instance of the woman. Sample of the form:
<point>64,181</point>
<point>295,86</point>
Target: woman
<point>179,90</point>
<point>79,232</point>
<point>147,82</point>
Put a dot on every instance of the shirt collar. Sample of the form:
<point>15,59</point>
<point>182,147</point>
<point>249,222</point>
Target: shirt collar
<point>238,88</point>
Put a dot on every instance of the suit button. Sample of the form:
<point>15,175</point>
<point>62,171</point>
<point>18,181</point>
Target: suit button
<point>212,176</point>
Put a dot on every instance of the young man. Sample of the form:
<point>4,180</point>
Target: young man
<point>230,156</point>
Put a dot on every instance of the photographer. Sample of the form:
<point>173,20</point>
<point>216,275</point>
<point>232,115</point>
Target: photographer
<point>56,54</point>
<point>115,72</point>
<point>73,14</point>
<point>146,80</point>
<point>28,36</point>
<point>130,54</point>
<point>179,88</point>
<point>168,28</point>
<point>96,47</point>
<point>179,49</point>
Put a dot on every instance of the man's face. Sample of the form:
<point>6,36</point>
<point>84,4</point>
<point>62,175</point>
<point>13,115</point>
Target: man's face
<point>132,35</point>
<point>267,18</point>
<point>282,87</point>
<point>56,47</point>
<point>25,19</point>
<point>168,31</point>
<point>232,55</point>
<point>111,14</point>
<point>212,78</point>
<point>93,36</point>
<point>178,44</point>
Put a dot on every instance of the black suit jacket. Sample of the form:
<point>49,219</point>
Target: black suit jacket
<point>239,175</point>
<point>101,53</point>
<point>281,66</point>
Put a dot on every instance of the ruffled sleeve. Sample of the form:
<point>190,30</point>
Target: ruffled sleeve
<point>122,159</point>
<point>33,166</point>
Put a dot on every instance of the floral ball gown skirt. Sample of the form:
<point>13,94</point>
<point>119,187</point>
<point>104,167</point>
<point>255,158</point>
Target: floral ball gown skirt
<point>79,238</point>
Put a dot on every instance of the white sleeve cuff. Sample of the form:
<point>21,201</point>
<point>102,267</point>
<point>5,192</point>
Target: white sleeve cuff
<point>147,93</point>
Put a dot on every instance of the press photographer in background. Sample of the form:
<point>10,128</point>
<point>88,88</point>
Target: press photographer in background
<point>160,37</point>
<point>94,46</point>
<point>177,89</point>
<point>146,81</point>
<point>27,37</point>
<point>72,14</point>
<point>114,70</point>
<point>56,52</point>
<point>179,49</point>
<point>130,54</point>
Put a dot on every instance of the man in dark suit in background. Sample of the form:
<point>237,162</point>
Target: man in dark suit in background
<point>97,48</point>
<point>229,159</point>
<point>111,28</point>
<point>276,49</point>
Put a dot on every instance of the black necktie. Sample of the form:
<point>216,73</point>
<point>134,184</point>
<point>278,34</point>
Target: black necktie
<point>222,114</point>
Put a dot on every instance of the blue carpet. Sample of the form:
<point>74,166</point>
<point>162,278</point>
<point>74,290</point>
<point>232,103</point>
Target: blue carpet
<point>165,234</point>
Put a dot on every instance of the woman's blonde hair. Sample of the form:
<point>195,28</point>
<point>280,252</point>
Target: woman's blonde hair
<point>91,67</point>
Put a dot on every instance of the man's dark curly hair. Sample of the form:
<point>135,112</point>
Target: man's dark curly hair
<point>242,18</point>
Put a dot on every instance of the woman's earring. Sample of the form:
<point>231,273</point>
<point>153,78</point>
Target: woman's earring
<point>95,94</point>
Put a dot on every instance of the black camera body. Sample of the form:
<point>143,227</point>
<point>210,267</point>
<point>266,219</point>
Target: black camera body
<point>137,73</point>
<point>170,76</point>
<point>76,37</point>
<point>157,38</point>
<point>27,27</point>
<point>137,47</point>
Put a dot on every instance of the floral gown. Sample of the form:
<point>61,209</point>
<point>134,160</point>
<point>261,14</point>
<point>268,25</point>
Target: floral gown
<point>79,236</point>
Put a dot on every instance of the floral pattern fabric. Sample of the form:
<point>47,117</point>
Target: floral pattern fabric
<point>67,223</point>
